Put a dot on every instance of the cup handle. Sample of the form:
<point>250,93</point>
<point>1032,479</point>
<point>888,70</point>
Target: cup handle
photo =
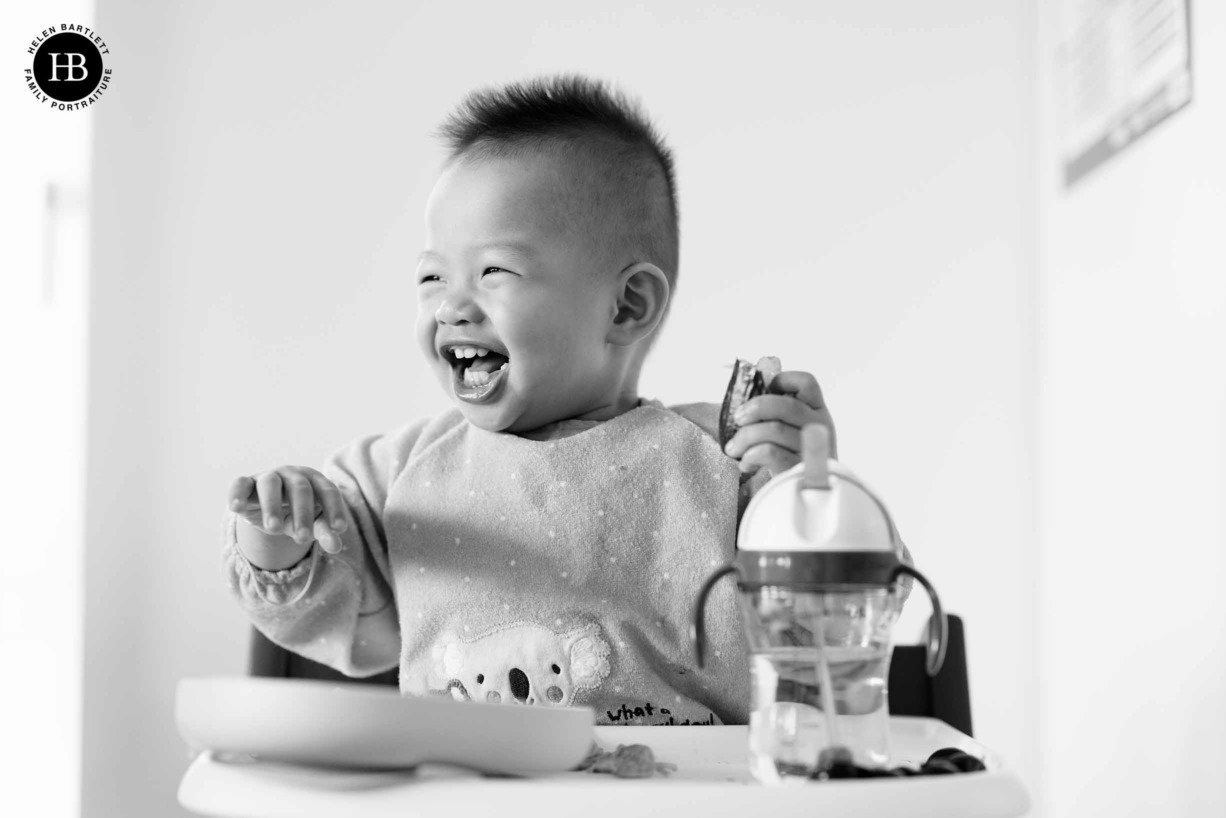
<point>938,626</point>
<point>698,627</point>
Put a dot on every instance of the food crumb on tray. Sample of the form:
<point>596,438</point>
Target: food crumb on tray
<point>627,761</point>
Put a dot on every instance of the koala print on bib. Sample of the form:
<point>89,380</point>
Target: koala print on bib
<point>521,663</point>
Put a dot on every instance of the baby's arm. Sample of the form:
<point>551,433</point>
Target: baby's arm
<point>323,591</point>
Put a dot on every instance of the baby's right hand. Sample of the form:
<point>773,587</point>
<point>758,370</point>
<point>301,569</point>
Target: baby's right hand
<point>299,496</point>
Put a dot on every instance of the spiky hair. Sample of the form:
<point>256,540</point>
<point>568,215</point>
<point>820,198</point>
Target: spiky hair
<point>623,171</point>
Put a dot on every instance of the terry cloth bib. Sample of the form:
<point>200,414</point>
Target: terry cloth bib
<point>564,572</point>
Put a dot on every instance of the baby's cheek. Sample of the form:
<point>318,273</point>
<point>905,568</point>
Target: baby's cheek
<point>425,331</point>
<point>423,328</point>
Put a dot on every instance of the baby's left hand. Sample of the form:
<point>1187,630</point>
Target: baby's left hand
<point>769,434</point>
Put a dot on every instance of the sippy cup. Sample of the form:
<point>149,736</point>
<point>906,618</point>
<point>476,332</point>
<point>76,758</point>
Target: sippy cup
<point>817,566</point>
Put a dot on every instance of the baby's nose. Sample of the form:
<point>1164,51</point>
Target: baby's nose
<point>458,308</point>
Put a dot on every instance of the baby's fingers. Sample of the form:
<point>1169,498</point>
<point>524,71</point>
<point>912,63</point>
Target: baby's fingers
<point>329,498</point>
<point>783,408</point>
<point>328,539</point>
<point>301,496</point>
<point>239,496</point>
<point>804,388</point>
<point>268,486</point>
<point>801,385</point>
<point>775,432</point>
<point>770,456</point>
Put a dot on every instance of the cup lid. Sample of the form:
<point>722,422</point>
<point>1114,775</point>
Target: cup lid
<point>847,516</point>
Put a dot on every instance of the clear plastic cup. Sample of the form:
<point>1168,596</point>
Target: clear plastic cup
<point>820,665</point>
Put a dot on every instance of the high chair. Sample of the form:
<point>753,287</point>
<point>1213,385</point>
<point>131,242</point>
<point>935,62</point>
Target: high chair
<point>945,696</point>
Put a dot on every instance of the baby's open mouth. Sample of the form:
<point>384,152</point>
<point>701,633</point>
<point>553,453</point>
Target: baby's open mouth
<point>477,371</point>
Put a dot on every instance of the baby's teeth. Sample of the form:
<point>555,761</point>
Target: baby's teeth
<point>472,378</point>
<point>469,352</point>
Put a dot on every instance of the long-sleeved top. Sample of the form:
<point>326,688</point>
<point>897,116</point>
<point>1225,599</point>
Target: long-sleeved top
<point>553,571</point>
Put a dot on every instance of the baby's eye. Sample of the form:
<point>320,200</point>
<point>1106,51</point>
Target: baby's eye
<point>494,270</point>
<point>426,279</point>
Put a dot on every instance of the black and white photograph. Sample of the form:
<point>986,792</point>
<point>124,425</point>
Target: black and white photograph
<point>698,409</point>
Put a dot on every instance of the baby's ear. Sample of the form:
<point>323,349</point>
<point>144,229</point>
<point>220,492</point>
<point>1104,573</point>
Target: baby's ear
<point>642,298</point>
<point>449,656</point>
<point>589,658</point>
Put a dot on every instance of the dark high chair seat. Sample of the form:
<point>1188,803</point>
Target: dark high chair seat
<point>945,696</point>
<point>273,661</point>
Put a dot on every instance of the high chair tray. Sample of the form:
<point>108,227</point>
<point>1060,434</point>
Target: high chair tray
<point>712,779</point>
<point>375,728</point>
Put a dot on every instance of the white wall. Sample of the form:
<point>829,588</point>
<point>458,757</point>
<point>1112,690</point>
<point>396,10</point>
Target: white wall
<point>856,197</point>
<point>1133,459</point>
<point>44,248</point>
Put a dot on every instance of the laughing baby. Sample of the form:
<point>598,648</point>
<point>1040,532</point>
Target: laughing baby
<point>542,541</point>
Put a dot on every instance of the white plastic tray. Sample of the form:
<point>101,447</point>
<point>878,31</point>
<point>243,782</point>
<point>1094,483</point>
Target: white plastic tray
<point>712,780</point>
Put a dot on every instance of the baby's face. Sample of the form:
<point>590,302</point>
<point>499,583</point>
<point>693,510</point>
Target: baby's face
<point>513,306</point>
